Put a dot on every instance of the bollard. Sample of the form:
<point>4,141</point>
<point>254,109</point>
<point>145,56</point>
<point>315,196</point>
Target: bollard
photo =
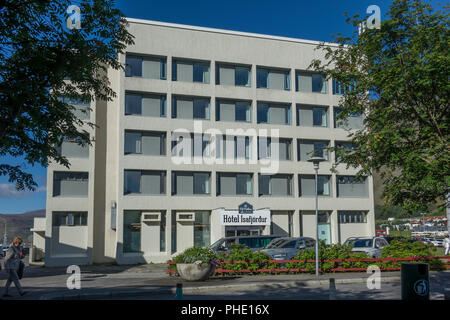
<point>415,281</point>
<point>332,289</point>
<point>179,292</point>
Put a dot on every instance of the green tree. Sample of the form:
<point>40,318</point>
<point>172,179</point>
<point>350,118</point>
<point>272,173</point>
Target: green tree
<point>38,53</point>
<point>398,78</point>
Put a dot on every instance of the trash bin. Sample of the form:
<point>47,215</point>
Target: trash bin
<point>415,281</point>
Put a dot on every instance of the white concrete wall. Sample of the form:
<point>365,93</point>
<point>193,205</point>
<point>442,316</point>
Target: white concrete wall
<point>109,162</point>
<point>70,241</point>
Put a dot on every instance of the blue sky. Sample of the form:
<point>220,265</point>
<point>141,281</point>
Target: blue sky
<point>313,20</point>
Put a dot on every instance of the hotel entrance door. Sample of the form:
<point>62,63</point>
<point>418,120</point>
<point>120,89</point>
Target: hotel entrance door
<point>242,231</point>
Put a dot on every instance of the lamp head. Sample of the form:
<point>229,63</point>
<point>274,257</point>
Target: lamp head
<point>316,161</point>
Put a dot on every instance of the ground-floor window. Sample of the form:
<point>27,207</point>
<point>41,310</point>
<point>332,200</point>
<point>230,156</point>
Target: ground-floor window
<point>202,228</point>
<point>65,218</point>
<point>174,232</point>
<point>162,232</point>
<point>352,216</point>
<point>131,231</point>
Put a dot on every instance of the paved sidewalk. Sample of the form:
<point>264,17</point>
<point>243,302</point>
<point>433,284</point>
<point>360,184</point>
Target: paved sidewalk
<point>120,281</point>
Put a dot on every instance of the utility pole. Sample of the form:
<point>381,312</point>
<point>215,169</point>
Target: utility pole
<point>448,210</point>
<point>5,237</point>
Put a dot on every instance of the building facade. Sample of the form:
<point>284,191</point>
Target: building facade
<point>204,120</point>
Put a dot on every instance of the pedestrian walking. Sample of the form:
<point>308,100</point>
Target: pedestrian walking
<point>13,265</point>
<point>447,244</point>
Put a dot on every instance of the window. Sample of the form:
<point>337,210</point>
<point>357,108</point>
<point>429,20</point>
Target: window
<point>190,108</point>
<point>131,231</point>
<point>190,71</point>
<point>275,185</point>
<point>190,183</point>
<point>145,67</point>
<point>145,104</point>
<point>354,121</point>
<point>227,110</point>
<point>349,186</point>
<point>133,66</point>
<point>342,148</point>
<point>312,116</point>
<point>81,107</point>
<point>307,185</point>
<point>162,232</point>
<point>320,117</point>
<point>230,184</point>
<point>233,147</point>
<point>243,76</point>
<point>310,82</point>
<point>202,229</point>
<point>190,145</point>
<point>352,216</point>
<point>71,148</point>
<point>145,142</point>
<point>70,184</point>
<point>274,114</point>
<point>267,148</point>
<point>340,88</point>
<point>272,79</point>
<point>144,182</point>
<point>307,149</point>
<point>61,218</point>
<point>233,75</point>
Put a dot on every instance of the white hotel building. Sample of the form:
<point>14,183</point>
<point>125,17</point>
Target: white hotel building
<point>127,199</point>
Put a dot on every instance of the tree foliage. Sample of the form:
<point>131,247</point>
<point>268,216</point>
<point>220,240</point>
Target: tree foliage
<point>38,53</point>
<point>398,78</point>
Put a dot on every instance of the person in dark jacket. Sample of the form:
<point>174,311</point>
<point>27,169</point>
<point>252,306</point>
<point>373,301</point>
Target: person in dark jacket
<point>11,265</point>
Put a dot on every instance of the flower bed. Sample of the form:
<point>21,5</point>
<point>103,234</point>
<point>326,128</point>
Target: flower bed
<point>333,258</point>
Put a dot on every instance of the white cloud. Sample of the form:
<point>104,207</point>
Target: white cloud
<point>9,191</point>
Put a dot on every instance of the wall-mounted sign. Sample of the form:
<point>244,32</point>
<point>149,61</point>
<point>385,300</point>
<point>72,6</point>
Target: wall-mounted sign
<point>235,218</point>
<point>245,208</point>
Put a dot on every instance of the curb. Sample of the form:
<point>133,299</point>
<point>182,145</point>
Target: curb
<point>190,290</point>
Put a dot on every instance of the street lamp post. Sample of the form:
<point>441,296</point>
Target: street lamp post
<point>316,161</point>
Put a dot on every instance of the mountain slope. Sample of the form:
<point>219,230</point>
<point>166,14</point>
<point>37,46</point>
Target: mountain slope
<point>19,225</point>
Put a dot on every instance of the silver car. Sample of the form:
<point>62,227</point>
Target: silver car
<point>288,247</point>
<point>370,246</point>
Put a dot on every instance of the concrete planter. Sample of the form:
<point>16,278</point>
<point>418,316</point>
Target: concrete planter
<point>194,271</point>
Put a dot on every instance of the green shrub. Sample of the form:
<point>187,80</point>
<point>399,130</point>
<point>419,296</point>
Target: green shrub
<point>328,252</point>
<point>194,254</point>
<point>248,260</point>
<point>401,248</point>
<point>254,260</point>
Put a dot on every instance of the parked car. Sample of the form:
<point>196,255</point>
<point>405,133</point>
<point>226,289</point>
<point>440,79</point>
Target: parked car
<point>371,246</point>
<point>288,247</point>
<point>3,250</point>
<point>423,240</point>
<point>390,239</point>
<point>350,241</point>
<point>254,243</point>
<point>436,242</point>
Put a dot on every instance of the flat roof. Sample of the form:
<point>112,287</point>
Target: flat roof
<point>230,32</point>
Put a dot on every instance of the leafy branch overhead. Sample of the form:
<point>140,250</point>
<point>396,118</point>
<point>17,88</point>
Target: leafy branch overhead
<point>398,78</point>
<point>38,54</point>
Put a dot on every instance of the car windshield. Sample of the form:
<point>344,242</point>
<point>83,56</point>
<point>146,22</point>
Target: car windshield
<point>350,242</point>
<point>367,243</point>
<point>216,244</point>
<point>276,243</point>
<point>289,244</point>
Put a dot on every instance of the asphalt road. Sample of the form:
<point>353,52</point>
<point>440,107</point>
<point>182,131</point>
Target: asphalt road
<point>357,291</point>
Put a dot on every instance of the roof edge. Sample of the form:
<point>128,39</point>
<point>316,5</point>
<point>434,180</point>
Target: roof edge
<point>230,32</point>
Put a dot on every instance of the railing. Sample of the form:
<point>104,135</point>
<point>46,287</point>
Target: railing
<point>221,271</point>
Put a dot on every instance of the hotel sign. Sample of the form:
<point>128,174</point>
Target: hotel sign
<point>245,208</point>
<point>235,218</point>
